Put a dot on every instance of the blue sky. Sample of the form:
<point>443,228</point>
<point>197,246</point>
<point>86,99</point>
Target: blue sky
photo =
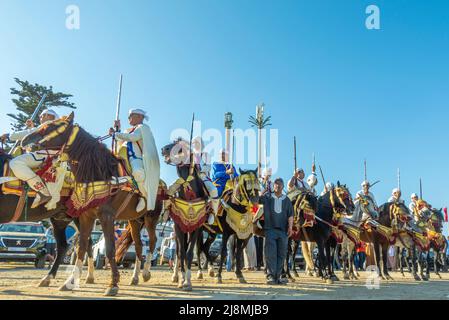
<point>346,92</point>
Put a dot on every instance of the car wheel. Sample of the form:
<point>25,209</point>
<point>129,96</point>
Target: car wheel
<point>39,263</point>
<point>99,262</point>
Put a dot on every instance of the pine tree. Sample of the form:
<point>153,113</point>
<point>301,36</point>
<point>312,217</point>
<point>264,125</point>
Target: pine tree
<point>28,97</point>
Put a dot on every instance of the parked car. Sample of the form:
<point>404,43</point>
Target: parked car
<point>24,241</point>
<point>70,257</point>
<point>99,252</point>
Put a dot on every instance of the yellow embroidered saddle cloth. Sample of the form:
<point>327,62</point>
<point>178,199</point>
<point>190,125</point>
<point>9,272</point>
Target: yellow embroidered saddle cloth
<point>188,215</point>
<point>352,232</point>
<point>304,213</point>
<point>241,223</point>
<point>436,238</point>
<point>90,195</point>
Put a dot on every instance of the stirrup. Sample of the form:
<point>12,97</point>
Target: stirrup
<point>40,199</point>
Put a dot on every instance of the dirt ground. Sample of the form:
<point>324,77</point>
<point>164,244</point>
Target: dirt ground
<point>19,281</point>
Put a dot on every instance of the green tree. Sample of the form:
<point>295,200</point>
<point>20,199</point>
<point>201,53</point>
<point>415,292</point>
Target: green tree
<point>27,97</point>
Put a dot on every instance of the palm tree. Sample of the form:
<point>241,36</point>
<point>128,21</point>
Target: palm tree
<point>261,123</point>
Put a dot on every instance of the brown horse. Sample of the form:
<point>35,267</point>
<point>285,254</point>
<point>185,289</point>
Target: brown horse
<point>90,162</point>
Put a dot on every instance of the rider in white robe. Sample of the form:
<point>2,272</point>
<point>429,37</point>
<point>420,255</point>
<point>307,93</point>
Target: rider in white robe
<point>369,196</point>
<point>22,166</point>
<point>143,157</point>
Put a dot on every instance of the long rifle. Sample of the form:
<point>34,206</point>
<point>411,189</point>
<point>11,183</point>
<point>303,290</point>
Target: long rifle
<point>294,154</point>
<point>190,146</point>
<point>117,113</point>
<point>33,117</point>
<point>364,172</point>
<point>399,179</point>
<point>322,177</point>
<point>420,188</point>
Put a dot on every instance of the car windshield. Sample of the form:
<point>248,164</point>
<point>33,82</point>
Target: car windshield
<point>22,228</point>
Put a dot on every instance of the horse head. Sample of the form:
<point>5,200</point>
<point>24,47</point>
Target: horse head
<point>176,153</point>
<point>247,188</point>
<point>342,199</point>
<point>51,135</point>
<point>436,219</point>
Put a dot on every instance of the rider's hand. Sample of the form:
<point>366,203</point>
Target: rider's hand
<point>313,167</point>
<point>230,171</point>
<point>4,137</point>
<point>29,124</point>
<point>111,131</point>
<point>117,124</point>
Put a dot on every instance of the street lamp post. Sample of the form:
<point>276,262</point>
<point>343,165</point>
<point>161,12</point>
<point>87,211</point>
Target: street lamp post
<point>228,121</point>
<point>261,123</point>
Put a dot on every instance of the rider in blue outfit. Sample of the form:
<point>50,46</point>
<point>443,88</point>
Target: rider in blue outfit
<point>222,172</point>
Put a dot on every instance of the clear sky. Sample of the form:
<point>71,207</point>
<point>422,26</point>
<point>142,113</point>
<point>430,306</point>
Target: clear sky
<point>346,92</point>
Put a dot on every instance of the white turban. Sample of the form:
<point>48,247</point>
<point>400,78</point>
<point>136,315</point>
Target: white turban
<point>366,183</point>
<point>395,190</point>
<point>267,172</point>
<point>50,112</point>
<point>414,195</point>
<point>138,111</point>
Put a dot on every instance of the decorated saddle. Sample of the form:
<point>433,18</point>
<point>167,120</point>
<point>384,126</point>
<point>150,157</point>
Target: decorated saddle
<point>188,215</point>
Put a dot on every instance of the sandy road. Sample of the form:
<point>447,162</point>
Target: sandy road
<point>19,281</point>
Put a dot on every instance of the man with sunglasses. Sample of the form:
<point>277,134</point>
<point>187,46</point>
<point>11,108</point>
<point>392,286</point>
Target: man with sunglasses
<point>22,166</point>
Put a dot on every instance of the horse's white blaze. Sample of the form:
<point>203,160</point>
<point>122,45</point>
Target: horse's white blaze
<point>136,271</point>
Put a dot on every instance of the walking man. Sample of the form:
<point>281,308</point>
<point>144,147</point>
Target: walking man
<point>278,215</point>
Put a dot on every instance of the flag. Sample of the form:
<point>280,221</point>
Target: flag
<point>445,214</point>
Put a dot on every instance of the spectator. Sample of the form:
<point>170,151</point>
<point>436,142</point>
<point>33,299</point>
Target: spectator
<point>278,215</point>
<point>250,255</point>
<point>259,252</point>
<point>172,250</point>
<point>361,256</point>
<point>117,231</point>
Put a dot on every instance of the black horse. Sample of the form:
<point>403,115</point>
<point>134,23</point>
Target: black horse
<point>239,202</point>
<point>191,190</point>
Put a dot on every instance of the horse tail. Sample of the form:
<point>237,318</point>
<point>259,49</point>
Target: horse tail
<point>123,243</point>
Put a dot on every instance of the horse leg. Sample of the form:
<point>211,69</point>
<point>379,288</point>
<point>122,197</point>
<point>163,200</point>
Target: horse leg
<point>224,252</point>
<point>209,262</point>
<point>181,239</point>
<point>436,263</point>
<point>295,251</point>
<point>135,235</point>
<point>59,227</point>
<point>175,277</point>
<point>241,244</point>
<point>107,224</point>
<point>199,250</point>
<point>90,279</point>
<point>150,225</point>
<point>415,263</point>
<point>332,255</point>
<point>86,224</point>
<point>193,239</point>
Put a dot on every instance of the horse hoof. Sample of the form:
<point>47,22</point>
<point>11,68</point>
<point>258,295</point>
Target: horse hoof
<point>335,278</point>
<point>425,278</point>
<point>146,277</point>
<point>44,283</point>
<point>65,288</point>
<point>416,277</point>
<point>292,280</point>
<point>439,276</point>
<point>187,288</point>
<point>90,280</point>
<point>211,273</point>
<point>134,282</point>
<point>295,274</point>
<point>219,280</point>
<point>329,281</point>
<point>346,277</point>
<point>199,276</point>
<point>175,279</point>
<point>111,292</point>
<point>242,280</point>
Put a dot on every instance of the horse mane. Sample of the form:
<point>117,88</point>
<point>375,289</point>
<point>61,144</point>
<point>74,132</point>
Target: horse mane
<point>91,160</point>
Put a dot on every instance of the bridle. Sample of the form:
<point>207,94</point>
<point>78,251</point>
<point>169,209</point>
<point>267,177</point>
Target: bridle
<point>244,193</point>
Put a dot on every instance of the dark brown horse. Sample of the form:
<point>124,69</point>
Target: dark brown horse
<point>90,162</point>
<point>58,218</point>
